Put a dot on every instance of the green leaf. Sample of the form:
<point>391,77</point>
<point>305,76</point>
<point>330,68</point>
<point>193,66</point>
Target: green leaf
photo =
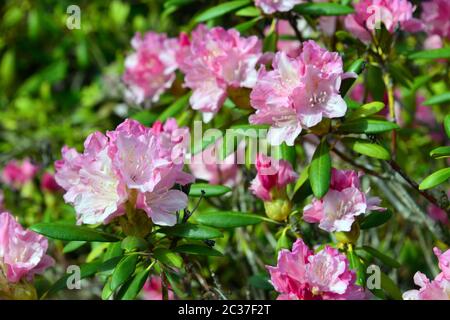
<point>440,152</point>
<point>175,108</point>
<point>145,117</point>
<point>124,270</point>
<point>132,243</point>
<point>435,179</point>
<point>447,125</point>
<point>283,241</point>
<point>86,270</point>
<point>198,249</point>
<point>192,231</point>
<point>357,265</point>
<point>220,10</point>
<point>366,110</point>
<point>249,11</point>
<point>381,256</point>
<point>228,219</point>
<point>390,287</point>
<point>135,285</point>
<point>260,281</point>
<point>70,232</point>
<point>270,40</point>
<point>106,291</point>
<point>367,148</point>
<point>357,67</point>
<point>301,179</point>
<point>177,3</point>
<point>442,53</point>
<point>323,9</point>
<point>367,125</point>
<point>208,189</point>
<point>375,219</point>
<point>168,257</point>
<point>244,26</point>
<point>439,99</point>
<point>73,245</point>
<point>320,170</point>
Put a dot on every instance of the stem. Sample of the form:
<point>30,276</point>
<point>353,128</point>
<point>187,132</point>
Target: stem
<point>394,165</point>
<point>391,103</point>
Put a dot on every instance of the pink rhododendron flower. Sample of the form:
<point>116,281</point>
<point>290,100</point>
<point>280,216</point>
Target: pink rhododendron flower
<point>272,176</point>
<point>437,289</point>
<point>436,18</point>
<point>16,174</point>
<point>271,6</point>
<point>207,166</point>
<point>22,252</point>
<point>298,93</point>
<point>301,274</point>
<point>150,69</point>
<point>215,60</point>
<point>369,14</point>
<point>48,183</point>
<point>131,159</point>
<point>153,289</point>
<point>337,210</point>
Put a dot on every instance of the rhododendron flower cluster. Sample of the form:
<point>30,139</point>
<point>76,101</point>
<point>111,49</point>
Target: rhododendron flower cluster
<point>150,69</point>
<point>22,252</point>
<point>301,274</point>
<point>436,19</point>
<point>298,93</point>
<point>272,6</point>
<point>132,163</point>
<point>16,174</point>
<point>216,60</point>
<point>437,289</point>
<point>272,177</point>
<point>371,13</point>
<point>337,210</point>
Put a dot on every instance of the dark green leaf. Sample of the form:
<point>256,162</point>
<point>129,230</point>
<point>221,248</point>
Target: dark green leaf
<point>381,256</point>
<point>323,9</point>
<point>366,125</point>
<point>260,281</point>
<point>375,219</point>
<point>390,287</point>
<point>228,219</point>
<point>70,232</point>
<point>357,67</point>
<point>220,10</point>
<point>124,270</point>
<point>209,190</point>
<point>198,249</point>
<point>168,257</point>
<point>244,26</point>
<point>192,231</point>
<point>135,285</point>
<point>131,243</point>
<point>320,170</point>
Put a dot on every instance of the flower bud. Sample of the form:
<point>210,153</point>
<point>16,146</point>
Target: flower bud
<point>278,209</point>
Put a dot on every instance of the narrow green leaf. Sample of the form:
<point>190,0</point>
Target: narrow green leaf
<point>124,270</point>
<point>323,9</point>
<point>175,108</point>
<point>70,232</point>
<point>366,110</point>
<point>375,219</point>
<point>228,219</point>
<point>283,241</point>
<point>106,291</point>
<point>439,99</point>
<point>135,285</point>
<point>320,170</point>
<point>168,257</point>
<point>357,67</point>
<point>442,53</point>
<point>435,179</point>
<point>198,250</point>
<point>249,11</point>
<point>367,148</point>
<point>244,26</point>
<point>390,287</point>
<point>440,152</point>
<point>447,125</point>
<point>220,10</point>
<point>381,256</point>
<point>208,189</point>
<point>192,231</point>
<point>73,245</point>
<point>367,125</point>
